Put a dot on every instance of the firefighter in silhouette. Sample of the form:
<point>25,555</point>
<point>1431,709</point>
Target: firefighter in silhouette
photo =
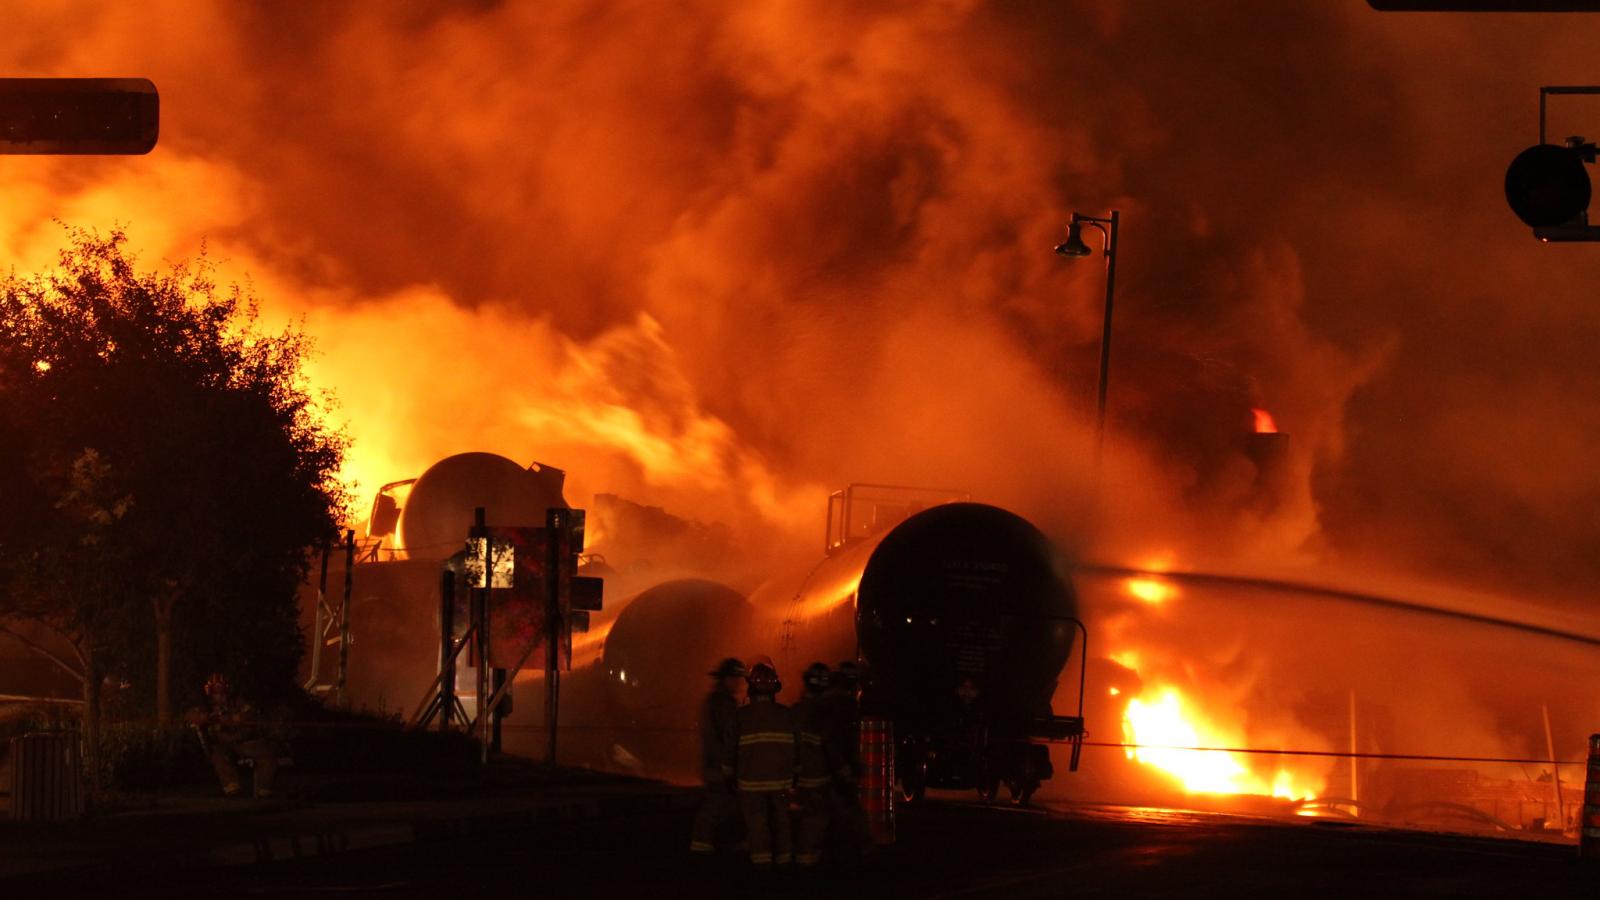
<point>766,767</point>
<point>229,731</point>
<point>843,706</point>
<point>818,759</point>
<point>719,750</point>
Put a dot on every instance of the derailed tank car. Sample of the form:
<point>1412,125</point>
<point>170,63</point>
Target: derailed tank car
<point>964,620</point>
<point>654,668</point>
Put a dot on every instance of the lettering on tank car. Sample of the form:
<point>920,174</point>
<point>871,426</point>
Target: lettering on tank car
<point>974,574</point>
<point>973,645</point>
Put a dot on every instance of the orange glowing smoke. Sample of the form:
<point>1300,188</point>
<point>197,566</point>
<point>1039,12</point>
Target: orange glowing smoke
<point>1166,722</point>
<point>1264,422</point>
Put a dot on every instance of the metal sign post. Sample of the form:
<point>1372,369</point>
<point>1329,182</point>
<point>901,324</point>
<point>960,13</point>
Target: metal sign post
<point>556,520</point>
<point>481,628</point>
<point>318,634</point>
<point>448,704</point>
<point>344,613</point>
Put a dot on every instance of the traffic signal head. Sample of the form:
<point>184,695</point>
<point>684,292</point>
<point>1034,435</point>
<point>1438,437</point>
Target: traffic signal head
<point>1548,185</point>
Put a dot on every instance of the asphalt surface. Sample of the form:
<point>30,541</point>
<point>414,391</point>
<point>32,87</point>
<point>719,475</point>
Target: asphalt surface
<point>945,850</point>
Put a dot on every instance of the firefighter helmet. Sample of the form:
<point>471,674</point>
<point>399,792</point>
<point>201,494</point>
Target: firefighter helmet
<point>217,684</point>
<point>848,673</point>
<point>763,680</point>
<point>729,668</point>
<point>818,677</point>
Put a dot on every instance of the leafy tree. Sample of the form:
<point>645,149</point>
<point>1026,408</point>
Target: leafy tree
<point>164,473</point>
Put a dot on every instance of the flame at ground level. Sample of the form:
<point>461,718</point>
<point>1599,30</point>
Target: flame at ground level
<point>1164,722</point>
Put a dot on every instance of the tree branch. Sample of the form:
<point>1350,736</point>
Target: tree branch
<point>42,651</point>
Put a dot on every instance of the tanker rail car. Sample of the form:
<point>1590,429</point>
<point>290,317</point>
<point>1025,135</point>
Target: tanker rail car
<point>959,611</point>
<point>964,621</point>
<point>961,614</point>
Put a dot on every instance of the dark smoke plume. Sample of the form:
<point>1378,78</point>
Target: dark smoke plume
<point>718,257</point>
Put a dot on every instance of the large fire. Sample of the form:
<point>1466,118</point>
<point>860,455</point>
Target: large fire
<point>1161,725</point>
<point>1162,722</point>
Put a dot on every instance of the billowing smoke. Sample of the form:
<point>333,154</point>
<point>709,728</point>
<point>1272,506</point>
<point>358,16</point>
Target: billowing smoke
<point>718,257</point>
<point>722,257</point>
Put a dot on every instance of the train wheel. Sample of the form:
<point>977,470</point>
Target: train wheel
<point>1022,789</point>
<point>988,788</point>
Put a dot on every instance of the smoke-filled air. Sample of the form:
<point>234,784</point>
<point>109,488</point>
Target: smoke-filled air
<point>723,258</point>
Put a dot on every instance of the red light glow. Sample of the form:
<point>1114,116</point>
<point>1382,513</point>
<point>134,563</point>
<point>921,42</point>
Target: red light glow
<point>1264,422</point>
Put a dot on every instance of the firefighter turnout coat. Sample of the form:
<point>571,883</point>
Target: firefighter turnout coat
<point>719,736</point>
<point>816,743</point>
<point>766,746</point>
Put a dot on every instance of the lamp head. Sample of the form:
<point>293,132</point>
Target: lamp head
<point>1074,245</point>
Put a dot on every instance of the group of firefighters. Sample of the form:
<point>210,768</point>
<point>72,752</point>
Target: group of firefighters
<point>763,760</point>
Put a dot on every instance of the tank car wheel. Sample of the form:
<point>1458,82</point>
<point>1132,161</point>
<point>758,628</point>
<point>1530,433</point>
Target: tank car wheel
<point>988,788</point>
<point>1022,790</point>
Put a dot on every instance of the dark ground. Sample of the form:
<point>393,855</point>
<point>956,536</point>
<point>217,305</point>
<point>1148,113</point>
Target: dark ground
<point>947,849</point>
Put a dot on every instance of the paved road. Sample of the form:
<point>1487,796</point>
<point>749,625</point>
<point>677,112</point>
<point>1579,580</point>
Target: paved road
<point>946,850</point>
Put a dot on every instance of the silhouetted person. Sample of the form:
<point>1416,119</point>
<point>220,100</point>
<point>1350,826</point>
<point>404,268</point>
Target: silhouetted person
<point>843,706</point>
<point>816,761</point>
<point>229,731</point>
<point>766,768</point>
<point>719,749</point>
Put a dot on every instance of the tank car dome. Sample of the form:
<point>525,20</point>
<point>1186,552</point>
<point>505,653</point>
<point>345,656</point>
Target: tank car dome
<point>665,641</point>
<point>439,511</point>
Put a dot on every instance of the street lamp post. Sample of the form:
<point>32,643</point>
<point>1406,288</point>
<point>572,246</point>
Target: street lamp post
<point>1074,246</point>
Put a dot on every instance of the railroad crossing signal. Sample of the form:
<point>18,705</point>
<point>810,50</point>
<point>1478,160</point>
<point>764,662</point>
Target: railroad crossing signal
<point>527,600</point>
<point>1547,185</point>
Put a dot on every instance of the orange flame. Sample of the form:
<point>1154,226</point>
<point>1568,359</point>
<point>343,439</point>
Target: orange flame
<point>1150,590</point>
<point>1264,422</point>
<point>1166,723</point>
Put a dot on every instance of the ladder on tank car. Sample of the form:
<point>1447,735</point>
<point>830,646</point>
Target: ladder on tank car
<point>1069,730</point>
